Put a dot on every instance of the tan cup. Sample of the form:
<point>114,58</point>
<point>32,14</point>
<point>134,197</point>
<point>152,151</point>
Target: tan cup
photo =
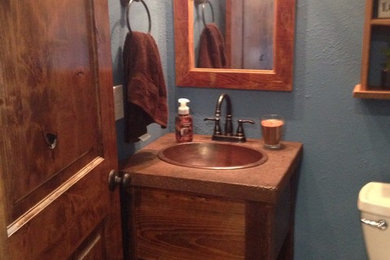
<point>272,129</point>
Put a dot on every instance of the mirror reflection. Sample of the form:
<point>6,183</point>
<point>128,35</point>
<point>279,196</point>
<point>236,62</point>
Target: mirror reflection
<point>234,34</point>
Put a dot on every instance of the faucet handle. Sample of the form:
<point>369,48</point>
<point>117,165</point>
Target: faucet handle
<point>217,127</point>
<point>246,121</point>
<point>240,128</point>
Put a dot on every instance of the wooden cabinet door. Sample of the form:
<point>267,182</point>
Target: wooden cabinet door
<point>57,131</point>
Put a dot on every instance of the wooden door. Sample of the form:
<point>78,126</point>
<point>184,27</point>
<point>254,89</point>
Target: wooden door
<point>57,132</point>
<point>250,34</point>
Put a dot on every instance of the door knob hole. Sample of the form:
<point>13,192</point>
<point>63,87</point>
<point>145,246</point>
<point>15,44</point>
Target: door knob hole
<point>51,140</point>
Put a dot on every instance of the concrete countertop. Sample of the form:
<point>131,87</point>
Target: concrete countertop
<point>261,183</point>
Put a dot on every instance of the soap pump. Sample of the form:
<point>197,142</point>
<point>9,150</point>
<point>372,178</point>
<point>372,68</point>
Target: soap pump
<point>183,122</point>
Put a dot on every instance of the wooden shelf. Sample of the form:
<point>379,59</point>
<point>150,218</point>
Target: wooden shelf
<point>380,21</point>
<point>360,92</point>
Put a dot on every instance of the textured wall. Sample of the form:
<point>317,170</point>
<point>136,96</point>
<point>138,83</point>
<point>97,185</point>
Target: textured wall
<point>346,140</point>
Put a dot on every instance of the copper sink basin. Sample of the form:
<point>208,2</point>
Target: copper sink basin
<point>218,156</point>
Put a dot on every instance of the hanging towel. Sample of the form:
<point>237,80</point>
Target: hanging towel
<point>211,48</point>
<point>145,90</point>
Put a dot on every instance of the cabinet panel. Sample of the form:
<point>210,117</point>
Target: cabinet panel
<point>171,225</point>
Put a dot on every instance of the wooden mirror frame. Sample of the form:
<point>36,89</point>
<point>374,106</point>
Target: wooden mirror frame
<point>280,78</point>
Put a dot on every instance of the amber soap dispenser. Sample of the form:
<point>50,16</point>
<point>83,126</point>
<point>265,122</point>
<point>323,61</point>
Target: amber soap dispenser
<point>183,122</point>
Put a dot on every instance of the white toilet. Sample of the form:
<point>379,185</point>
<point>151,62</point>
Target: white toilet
<point>374,204</point>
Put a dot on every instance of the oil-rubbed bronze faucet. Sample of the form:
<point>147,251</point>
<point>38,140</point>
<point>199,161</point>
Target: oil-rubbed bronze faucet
<point>227,135</point>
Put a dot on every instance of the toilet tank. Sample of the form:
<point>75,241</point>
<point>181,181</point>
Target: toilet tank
<point>374,205</point>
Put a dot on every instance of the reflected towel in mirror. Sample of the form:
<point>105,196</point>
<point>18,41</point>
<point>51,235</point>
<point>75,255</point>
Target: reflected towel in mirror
<point>212,48</point>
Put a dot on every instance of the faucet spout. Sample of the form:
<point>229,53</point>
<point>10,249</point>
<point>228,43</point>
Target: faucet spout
<point>229,116</point>
<point>227,135</point>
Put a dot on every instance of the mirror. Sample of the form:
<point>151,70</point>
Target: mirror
<point>245,30</point>
<point>265,63</point>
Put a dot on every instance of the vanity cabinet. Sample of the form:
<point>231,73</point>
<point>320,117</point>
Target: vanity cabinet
<point>175,212</point>
<point>375,71</point>
<point>179,225</point>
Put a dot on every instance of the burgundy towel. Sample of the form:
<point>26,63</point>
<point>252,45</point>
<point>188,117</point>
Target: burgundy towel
<point>146,93</point>
<point>211,48</point>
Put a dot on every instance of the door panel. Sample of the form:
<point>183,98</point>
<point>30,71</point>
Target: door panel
<point>250,33</point>
<point>93,247</point>
<point>57,128</point>
<point>54,94</point>
<point>56,227</point>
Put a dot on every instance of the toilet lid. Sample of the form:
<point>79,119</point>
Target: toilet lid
<point>374,198</point>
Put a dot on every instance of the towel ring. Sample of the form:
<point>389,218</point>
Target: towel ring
<point>128,11</point>
<point>212,12</point>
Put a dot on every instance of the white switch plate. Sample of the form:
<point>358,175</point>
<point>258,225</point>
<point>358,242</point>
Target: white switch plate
<point>118,102</point>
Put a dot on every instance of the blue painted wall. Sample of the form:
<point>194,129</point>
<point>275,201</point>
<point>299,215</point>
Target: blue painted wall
<point>346,140</point>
